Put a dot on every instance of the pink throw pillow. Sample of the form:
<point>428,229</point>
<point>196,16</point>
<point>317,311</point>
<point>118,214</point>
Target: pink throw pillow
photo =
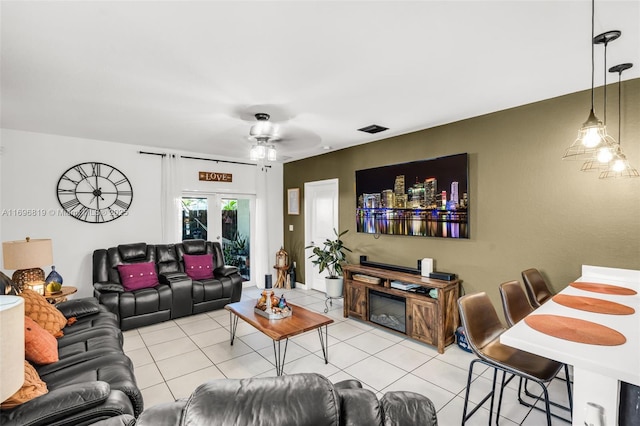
<point>198,267</point>
<point>138,275</point>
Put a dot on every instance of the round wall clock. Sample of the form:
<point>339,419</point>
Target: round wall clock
<point>94,192</point>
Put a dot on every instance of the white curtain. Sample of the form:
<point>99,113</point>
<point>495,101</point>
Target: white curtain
<point>261,264</point>
<point>170,213</point>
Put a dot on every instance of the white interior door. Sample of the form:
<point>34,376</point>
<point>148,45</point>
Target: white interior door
<point>321,218</point>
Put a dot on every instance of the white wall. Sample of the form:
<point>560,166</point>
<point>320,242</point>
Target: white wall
<point>32,163</point>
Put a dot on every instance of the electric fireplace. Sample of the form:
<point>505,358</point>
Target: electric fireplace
<point>388,310</point>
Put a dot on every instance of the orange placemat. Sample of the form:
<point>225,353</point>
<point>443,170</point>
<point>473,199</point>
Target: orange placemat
<point>604,288</point>
<point>575,330</point>
<point>591,304</point>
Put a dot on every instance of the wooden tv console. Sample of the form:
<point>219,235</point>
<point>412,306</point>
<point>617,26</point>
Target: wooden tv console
<point>429,320</point>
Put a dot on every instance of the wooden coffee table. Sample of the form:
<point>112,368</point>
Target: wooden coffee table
<point>300,321</point>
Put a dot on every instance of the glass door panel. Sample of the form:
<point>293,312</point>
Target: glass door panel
<point>236,234</point>
<point>226,218</point>
<point>194,218</point>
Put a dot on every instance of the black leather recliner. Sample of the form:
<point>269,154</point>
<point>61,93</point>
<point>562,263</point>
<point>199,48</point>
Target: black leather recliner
<point>176,295</point>
<point>291,400</point>
<point>213,293</point>
<point>133,308</point>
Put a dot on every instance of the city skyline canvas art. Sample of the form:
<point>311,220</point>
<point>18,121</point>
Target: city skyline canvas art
<point>427,198</point>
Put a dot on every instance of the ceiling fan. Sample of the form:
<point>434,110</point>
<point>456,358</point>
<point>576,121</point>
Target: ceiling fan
<point>276,126</point>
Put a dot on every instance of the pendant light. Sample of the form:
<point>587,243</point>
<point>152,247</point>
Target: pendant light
<point>603,152</point>
<point>619,166</point>
<point>592,134</point>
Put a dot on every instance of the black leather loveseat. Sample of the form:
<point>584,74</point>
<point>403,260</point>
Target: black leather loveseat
<point>93,378</point>
<point>175,294</point>
<point>291,400</point>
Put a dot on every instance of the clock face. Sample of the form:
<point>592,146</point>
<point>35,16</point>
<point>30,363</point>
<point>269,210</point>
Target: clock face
<point>94,192</point>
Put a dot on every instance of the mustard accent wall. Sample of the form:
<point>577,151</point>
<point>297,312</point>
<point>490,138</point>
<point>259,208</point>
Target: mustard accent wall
<point>528,208</point>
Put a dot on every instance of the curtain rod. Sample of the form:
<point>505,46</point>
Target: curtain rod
<point>162,154</point>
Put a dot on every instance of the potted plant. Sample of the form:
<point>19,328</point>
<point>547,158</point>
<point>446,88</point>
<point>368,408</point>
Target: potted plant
<point>330,257</point>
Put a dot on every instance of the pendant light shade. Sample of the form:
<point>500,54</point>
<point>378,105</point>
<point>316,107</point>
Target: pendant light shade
<point>619,166</point>
<point>592,132</point>
<point>592,136</point>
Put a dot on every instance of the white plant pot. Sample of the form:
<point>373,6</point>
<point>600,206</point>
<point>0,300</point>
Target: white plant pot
<point>334,286</point>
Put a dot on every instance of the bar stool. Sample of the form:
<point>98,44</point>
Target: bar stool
<point>483,329</point>
<point>538,291</point>
<point>515,303</point>
<point>516,306</point>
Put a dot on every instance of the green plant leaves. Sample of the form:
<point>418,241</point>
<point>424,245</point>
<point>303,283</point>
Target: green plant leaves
<point>331,255</point>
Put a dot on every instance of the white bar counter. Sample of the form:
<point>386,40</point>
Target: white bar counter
<point>597,369</point>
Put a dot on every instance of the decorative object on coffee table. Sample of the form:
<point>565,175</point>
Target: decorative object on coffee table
<point>331,256</point>
<point>271,306</point>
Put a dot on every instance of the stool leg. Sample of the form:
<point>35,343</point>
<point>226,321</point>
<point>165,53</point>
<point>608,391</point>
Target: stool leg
<point>569,392</point>
<point>491,394</point>
<point>466,394</point>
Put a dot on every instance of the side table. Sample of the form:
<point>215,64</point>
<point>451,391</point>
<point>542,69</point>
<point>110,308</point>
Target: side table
<point>60,296</point>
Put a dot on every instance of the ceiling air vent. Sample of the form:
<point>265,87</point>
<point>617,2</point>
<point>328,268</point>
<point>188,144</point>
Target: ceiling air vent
<point>374,128</point>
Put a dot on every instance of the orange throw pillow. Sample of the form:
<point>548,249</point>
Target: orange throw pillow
<point>40,346</point>
<point>32,387</point>
<point>44,313</point>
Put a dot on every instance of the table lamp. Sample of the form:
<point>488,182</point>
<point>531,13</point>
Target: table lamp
<point>26,257</point>
<point>11,345</point>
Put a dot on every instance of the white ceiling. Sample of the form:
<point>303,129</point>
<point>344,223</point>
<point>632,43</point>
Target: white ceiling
<point>188,75</point>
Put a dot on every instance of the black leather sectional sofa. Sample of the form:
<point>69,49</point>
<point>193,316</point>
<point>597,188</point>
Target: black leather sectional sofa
<point>176,295</point>
<point>291,400</point>
<point>93,379</point>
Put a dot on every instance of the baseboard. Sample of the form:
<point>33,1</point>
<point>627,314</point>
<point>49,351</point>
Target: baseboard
<point>248,284</point>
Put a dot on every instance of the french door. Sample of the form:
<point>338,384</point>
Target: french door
<point>226,218</point>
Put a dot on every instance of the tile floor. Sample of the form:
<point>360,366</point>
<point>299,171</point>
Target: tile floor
<point>172,358</point>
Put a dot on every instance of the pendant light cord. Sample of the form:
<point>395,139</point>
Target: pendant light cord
<point>605,83</point>
<point>593,60</point>
<point>619,109</point>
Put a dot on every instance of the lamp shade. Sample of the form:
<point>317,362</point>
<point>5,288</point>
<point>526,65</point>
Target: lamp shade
<point>11,345</point>
<point>27,254</point>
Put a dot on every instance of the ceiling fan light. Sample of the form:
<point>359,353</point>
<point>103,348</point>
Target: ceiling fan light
<point>257,152</point>
<point>271,153</point>
<point>262,129</point>
<point>253,153</point>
